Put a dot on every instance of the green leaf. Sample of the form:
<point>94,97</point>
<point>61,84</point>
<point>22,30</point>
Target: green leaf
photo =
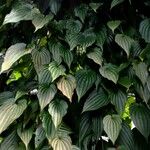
<point>25,135</point>
<point>73,26</point>
<point>110,72</point>
<point>46,94</point>
<point>112,126</point>
<point>96,100</point>
<point>9,112</point>
<point>57,109</point>
<point>114,24</point>
<point>125,42</point>
<point>6,96</point>
<point>85,79</point>
<point>67,85</point>
<point>74,147</point>
<point>40,58</point>
<point>55,6</point>
<point>48,125</point>
<point>39,20</point>
<point>39,136</point>
<point>97,126</point>
<point>13,53</point>
<point>119,100</point>
<point>61,143</point>
<point>56,70</point>
<point>96,56</point>
<point>85,127</point>
<point>141,71</point>
<point>95,6</point>
<point>144,30</point>
<point>10,142</point>
<point>20,11</point>
<point>125,137</point>
<point>125,81</point>
<point>140,116</point>
<point>115,3</point>
<point>81,12</point>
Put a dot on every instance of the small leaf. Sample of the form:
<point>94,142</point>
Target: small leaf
<point>112,126</point>
<point>55,6</point>
<point>85,79</point>
<point>141,71</point>
<point>110,72</point>
<point>74,147</point>
<point>62,143</point>
<point>96,56</point>
<point>25,135</point>
<point>9,112</point>
<point>144,30</point>
<point>46,94</point>
<point>113,24</point>
<point>56,70</point>
<point>67,86</point>
<point>115,3</point>
<point>57,109</point>
<point>119,100</point>
<point>140,116</point>
<point>81,12</point>
<point>95,101</point>
<point>95,6</point>
<point>39,136</point>
<point>13,53</point>
<point>125,42</point>
<point>6,96</point>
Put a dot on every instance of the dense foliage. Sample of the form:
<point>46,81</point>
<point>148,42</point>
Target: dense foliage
<point>74,74</point>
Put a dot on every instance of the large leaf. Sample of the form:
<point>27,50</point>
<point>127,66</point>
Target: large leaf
<point>125,42</point>
<point>39,136</point>
<point>40,57</point>
<point>141,71</point>
<point>62,143</point>
<point>10,142</point>
<point>112,126</point>
<point>56,70</point>
<point>96,56</point>
<point>96,100</point>
<point>85,127</point>
<point>57,109</point>
<point>25,135</point>
<point>13,53</point>
<point>46,94</point>
<point>119,100</point>
<point>20,11</point>
<point>85,80</point>
<point>5,96</point>
<point>125,137</point>
<point>9,112</point>
<point>110,72</point>
<point>113,24</point>
<point>144,29</point>
<point>67,85</point>
<point>140,116</point>
<point>116,2</point>
<point>81,12</point>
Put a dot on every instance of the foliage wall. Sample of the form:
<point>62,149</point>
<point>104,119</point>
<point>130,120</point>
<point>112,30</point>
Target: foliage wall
<point>74,75</point>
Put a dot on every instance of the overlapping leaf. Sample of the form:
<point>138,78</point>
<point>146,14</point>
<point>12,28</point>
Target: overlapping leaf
<point>113,24</point>
<point>96,100</point>
<point>9,112</point>
<point>13,53</point>
<point>57,109</point>
<point>144,29</point>
<point>56,70</point>
<point>124,42</point>
<point>110,72</point>
<point>112,126</point>
<point>85,79</point>
<point>116,2</point>
<point>140,116</point>
<point>46,94</point>
<point>67,85</point>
